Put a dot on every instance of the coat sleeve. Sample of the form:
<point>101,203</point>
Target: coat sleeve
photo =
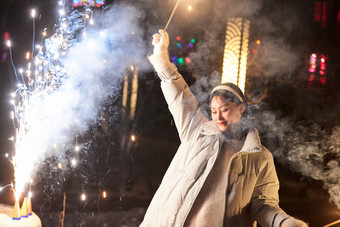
<point>264,204</point>
<point>182,103</point>
<point>183,107</point>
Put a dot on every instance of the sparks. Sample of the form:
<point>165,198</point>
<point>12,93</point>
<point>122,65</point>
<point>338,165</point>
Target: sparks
<point>61,12</point>
<point>83,197</point>
<point>73,162</point>
<point>33,12</point>
<point>2,188</point>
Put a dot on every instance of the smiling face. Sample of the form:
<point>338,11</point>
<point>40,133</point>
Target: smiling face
<point>225,113</point>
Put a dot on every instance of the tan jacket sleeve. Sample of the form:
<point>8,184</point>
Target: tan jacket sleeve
<point>265,199</point>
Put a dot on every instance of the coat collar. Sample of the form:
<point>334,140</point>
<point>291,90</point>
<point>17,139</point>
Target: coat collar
<point>252,142</point>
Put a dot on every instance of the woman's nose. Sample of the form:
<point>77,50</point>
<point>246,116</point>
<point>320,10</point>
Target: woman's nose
<point>219,115</point>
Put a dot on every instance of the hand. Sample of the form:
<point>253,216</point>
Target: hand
<point>160,42</point>
<point>293,222</point>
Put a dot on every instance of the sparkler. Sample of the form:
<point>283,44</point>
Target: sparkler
<point>172,14</point>
<point>174,10</point>
<point>332,224</point>
<point>30,102</point>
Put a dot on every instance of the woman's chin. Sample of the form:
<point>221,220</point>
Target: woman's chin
<point>223,128</point>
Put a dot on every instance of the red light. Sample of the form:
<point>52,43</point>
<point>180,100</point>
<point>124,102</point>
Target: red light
<point>322,65</point>
<point>317,11</point>
<point>312,63</point>
<point>323,80</point>
<point>187,60</point>
<point>324,12</point>
<point>178,38</point>
<point>6,37</point>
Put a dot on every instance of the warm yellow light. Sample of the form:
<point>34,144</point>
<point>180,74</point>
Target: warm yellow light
<point>83,197</point>
<point>133,138</point>
<point>125,91</point>
<point>236,52</point>
<point>258,42</point>
<point>104,194</point>
<point>60,166</point>
<point>134,94</point>
<point>189,7</point>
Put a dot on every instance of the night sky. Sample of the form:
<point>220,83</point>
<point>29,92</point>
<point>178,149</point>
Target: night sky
<point>298,119</point>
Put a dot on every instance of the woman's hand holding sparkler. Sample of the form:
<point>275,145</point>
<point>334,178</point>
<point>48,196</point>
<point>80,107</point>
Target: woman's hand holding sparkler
<point>160,58</point>
<point>160,42</point>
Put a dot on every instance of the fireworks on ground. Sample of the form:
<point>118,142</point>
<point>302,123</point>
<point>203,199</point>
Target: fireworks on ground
<point>68,76</point>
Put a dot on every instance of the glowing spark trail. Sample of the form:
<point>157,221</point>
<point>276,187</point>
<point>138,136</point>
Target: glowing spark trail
<point>63,88</point>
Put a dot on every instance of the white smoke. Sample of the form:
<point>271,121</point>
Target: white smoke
<point>82,66</point>
<point>303,146</point>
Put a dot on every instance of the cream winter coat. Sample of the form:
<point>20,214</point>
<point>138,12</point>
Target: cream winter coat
<point>252,192</point>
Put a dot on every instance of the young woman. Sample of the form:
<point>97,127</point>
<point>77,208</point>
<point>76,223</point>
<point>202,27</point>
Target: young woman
<point>221,175</point>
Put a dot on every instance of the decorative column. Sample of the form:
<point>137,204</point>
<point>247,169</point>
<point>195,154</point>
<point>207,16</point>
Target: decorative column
<point>236,52</point>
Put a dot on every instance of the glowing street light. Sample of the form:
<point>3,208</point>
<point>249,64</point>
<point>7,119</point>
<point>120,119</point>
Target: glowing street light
<point>33,13</point>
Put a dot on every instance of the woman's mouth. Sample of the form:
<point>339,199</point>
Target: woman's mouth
<point>222,123</point>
